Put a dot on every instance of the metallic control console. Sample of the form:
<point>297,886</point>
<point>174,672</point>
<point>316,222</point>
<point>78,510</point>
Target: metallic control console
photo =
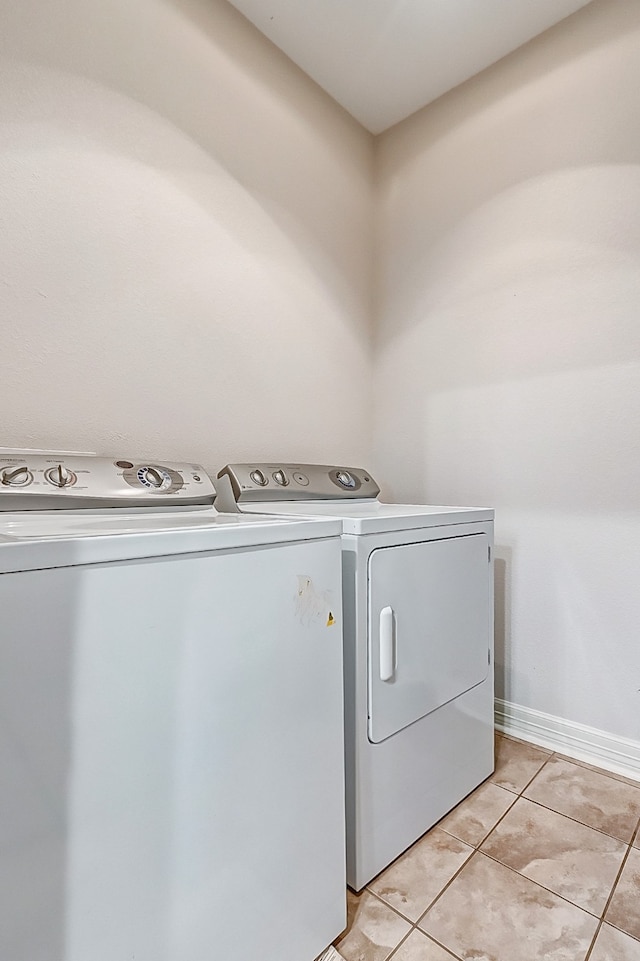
<point>295,482</point>
<point>64,481</point>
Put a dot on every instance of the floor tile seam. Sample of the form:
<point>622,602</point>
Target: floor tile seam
<point>405,917</point>
<point>395,950</point>
<point>510,790</point>
<point>348,929</point>
<point>620,778</point>
<point>594,769</point>
<point>474,851</point>
<point>593,940</point>
<point>539,771</point>
<point>424,935</point>
<point>597,917</point>
<point>387,905</point>
<point>614,886</point>
<point>617,927</point>
<point>439,943</point>
<point>575,821</point>
<point>367,887</point>
<point>476,847</point>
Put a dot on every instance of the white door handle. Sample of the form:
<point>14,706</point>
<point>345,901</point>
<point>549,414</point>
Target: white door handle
<point>387,646</point>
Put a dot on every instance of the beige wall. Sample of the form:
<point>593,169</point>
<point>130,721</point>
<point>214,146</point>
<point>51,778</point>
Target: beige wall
<point>508,348</point>
<point>185,270</point>
<point>184,259</point>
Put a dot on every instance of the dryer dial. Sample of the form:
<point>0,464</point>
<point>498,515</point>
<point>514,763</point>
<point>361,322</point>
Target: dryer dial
<point>346,479</point>
<point>258,478</point>
<point>281,478</point>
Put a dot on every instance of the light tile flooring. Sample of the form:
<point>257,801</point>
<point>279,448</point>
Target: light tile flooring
<point>542,861</point>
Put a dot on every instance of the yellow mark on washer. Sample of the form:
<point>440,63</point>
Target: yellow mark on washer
<point>311,605</point>
<point>330,620</point>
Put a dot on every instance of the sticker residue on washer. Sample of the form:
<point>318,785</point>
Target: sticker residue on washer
<point>312,606</point>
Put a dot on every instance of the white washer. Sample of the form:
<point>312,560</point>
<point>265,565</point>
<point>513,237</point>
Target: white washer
<point>171,737</point>
<point>418,622</point>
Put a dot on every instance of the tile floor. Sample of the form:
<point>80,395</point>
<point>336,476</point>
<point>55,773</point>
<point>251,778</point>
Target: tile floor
<point>542,861</point>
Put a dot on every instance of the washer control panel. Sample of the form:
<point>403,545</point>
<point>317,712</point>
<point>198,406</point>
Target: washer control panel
<point>64,481</point>
<point>289,482</point>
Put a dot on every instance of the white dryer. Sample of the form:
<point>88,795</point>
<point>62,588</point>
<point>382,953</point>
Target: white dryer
<point>171,737</point>
<point>418,623</point>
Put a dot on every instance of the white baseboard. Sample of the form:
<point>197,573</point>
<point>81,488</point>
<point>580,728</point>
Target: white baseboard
<point>619,755</point>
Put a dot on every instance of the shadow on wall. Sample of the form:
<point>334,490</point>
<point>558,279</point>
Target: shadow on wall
<point>544,272</point>
<point>502,623</point>
<point>218,95</point>
<point>494,100</point>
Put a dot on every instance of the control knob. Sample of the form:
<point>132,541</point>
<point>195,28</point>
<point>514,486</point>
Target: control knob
<point>16,476</point>
<point>60,476</point>
<point>281,478</point>
<point>346,479</point>
<point>258,478</point>
<point>152,477</point>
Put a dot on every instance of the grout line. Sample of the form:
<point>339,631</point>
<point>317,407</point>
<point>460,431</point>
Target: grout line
<point>400,943</point>
<point>593,942</point>
<point>387,905</point>
<point>576,821</point>
<point>621,930</point>
<point>543,886</point>
<point>539,771</point>
<point>347,931</point>
<point>447,885</point>
<point>615,883</point>
<point>588,766</point>
<point>499,821</point>
<point>430,937</point>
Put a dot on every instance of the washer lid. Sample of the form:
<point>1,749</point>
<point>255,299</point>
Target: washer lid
<point>34,539</point>
<point>373,517</point>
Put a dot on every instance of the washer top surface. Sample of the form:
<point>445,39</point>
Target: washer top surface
<point>53,539</point>
<point>106,510</point>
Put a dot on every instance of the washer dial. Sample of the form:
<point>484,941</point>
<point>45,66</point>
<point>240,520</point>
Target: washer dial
<point>16,476</point>
<point>155,478</point>
<point>60,476</point>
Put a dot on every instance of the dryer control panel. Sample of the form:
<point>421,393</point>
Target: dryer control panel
<point>296,482</point>
<point>30,481</point>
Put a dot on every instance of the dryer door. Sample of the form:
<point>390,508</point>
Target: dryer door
<point>429,610</point>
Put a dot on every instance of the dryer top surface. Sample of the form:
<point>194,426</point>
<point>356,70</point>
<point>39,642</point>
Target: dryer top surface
<point>370,516</point>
